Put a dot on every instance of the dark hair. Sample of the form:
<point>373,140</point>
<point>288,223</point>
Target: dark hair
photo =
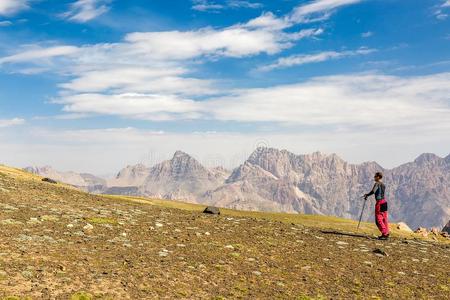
<point>379,174</point>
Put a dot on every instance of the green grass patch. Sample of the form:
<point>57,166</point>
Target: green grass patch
<point>81,296</point>
<point>98,220</point>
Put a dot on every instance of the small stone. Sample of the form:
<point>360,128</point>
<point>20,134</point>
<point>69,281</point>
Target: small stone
<point>27,274</point>
<point>306,268</point>
<point>229,247</point>
<point>341,243</point>
<point>69,225</point>
<point>368,263</point>
<point>207,233</point>
<point>401,273</point>
<point>257,273</point>
<point>159,225</point>
<point>88,227</point>
<point>380,252</point>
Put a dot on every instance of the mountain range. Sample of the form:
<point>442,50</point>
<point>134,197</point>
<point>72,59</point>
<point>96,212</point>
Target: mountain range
<point>277,180</point>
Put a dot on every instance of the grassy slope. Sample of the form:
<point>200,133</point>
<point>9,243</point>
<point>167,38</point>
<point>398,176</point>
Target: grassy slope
<point>147,248</point>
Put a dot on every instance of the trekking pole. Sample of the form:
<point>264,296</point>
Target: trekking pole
<point>362,212</point>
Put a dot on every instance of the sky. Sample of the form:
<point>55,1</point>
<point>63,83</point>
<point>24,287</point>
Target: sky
<point>94,85</point>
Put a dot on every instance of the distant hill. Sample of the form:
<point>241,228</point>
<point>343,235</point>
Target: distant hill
<point>280,181</point>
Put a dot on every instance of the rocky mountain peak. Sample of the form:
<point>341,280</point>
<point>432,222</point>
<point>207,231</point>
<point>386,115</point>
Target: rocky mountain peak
<point>180,155</point>
<point>427,158</point>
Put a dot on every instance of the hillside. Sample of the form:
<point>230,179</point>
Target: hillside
<point>57,243</point>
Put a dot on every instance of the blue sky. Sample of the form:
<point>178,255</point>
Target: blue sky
<point>92,85</point>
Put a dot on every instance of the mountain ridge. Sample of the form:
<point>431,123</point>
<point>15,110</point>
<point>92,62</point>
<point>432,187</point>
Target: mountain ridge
<point>316,183</point>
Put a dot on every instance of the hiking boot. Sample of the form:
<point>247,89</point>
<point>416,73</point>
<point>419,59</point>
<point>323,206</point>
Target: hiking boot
<point>383,237</point>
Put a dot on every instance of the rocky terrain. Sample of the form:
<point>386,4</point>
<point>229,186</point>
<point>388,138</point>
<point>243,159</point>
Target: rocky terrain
<point>60,243</point>
<point>280,181</point>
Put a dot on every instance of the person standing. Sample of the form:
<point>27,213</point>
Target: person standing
<point>381,206</point>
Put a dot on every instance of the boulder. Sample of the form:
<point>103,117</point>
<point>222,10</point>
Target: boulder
<point>446,228</point>
<point>403,227</point>
<point>212,210</point>
<point>49,180</point>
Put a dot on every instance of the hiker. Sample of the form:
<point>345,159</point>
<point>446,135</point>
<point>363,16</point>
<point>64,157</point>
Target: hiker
<point>381,206</point>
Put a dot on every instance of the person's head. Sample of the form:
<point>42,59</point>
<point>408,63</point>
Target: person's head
<point>378,176</point>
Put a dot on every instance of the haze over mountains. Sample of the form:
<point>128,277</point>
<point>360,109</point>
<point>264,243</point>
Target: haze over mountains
<point>278,180</point>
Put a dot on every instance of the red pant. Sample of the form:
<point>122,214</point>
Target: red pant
<point>381,216</point>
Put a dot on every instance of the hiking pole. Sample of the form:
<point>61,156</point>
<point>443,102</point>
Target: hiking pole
<point>362,212</point>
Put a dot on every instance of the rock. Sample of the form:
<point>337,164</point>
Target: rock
<point>49,180</point>
<point>380,252</point>
<point>341,243</point>
<point>88,227</point>
<point>446,228</point>
<point>422,231</point>
<point>435,231</point>
<point>368,263</point>
<point>403,227</point>
<point>212,210</point>
<point>257,273</point>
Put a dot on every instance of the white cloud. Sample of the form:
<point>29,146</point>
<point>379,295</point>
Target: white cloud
<point>205,5</point>
<point>211,6</point>
<point>366,34</point>
<point>441,11</point>
<point>11,122</point>
<point>344,101</point>
<point>11,7</point>
<point>302,59</point>
<point>35,53</point>
<point>347,101</point>
<point>244,4</point>
<point>5,23</point>
<point>139,106</point>
<point>85,10</point>
<point>317,10</point>
<point>152,63</point>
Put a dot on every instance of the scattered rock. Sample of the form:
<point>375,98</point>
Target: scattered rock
<point>368,263</point>
<point>435,231</point>
<point>49,180</point>
<point>341,243</point>
<point>404,227</point>
<point>422,231</point>
<point>381,252</point>
<point>257,273</point>
<point>229,247</point>
<point>10,222</point>
<point>212,210</point>
<point>88,227</point>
